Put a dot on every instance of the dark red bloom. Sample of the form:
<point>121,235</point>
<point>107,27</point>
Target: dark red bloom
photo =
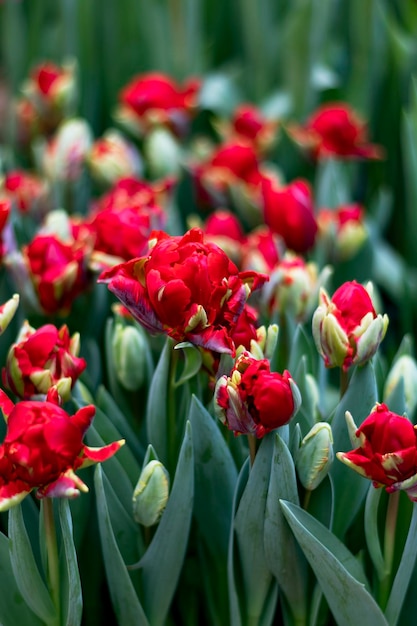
<point>289,212</point>
<point>43,448</point>
<point>155,98</point>
<point>254,400</point>
<point>386,452</point>
<point>58,270</point>
<point>335,129</point>
<point>186,288</point>
<point>41,359</point>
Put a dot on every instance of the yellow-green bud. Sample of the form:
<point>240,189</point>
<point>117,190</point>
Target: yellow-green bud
<point>315,455</point>
<point>128,346</point>
<point>405,367</point>
<point>150,496</point>
<point>7,311</point>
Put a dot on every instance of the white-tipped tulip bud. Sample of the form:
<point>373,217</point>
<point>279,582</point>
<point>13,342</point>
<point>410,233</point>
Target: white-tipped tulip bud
<point>315,455</point>
<point>151,494</point>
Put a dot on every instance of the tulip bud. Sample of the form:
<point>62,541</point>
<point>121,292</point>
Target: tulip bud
<point>404,368</point>
<point>7,311</point>
<point>112,158</point>
<point>151,494</point>
<point>128,351</point>
<point>315,455</point>
<point>65,154</point>
<point>162,152</point>
<point>254,400</point>
<point>346,328</point>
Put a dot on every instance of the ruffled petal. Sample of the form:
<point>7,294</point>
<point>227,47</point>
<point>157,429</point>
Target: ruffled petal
<point>68,485</point>
<point>12,493</point>
<point>98,455</point>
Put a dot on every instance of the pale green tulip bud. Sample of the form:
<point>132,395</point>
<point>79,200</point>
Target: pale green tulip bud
<point>151,494</point>
<point>162,152</point>
<point>129,356</point>
<point>315,455</point>
<point>406,368</point>
<point>7,311</point>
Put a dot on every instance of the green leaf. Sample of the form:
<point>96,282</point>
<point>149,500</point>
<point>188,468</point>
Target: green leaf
<point>26,572</point>
<point>13,608</point>
<point>107,404</point>
<point>123,595</point>
<point>338,572</point>
<point>215,479</point>
<point>404,573</point>
<point>157,412</point>
<point>71,584</point>
<point>192,362</point>
<point>249,529</point>
<point>349,487</point>
<point>234,571</point>
<point>371,530</point>
<point>162,563</point>
<point>283,555</point>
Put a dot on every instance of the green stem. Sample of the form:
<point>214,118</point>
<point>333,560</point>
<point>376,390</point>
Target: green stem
<point>253,448</point>
<point>307,497</point>
<point>389,546</point>
<point>344,382</point>
<point>172,410</point>
<point>52,553</point>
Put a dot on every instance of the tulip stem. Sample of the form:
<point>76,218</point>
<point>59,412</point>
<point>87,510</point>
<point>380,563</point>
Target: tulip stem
<point>344,382</point>
<point>389,545</point>
<point>253,448</point>
<point>52,553</point>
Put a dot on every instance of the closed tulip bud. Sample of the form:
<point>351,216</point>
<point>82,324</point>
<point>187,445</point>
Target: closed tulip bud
<point>112,158</point>
<point>129,348</point>
<point>404,368</point>
<point>66,152</point>
<point>315,455</point>
<point>254,400</point>
<point>346,328</point>
<point>163,152</point>
<point>7,311</point>
<point>151,494</point>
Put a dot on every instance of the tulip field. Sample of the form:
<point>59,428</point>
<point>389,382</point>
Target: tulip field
<point>208,310</point>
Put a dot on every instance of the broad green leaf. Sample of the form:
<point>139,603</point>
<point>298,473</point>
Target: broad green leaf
<point>26,572</point>
<point>13,607</point>
<point>157,409</point>
<point>234,571</point>
<point>249,528</point>
<point>106,403</point>
<point>162,563</point>
<point>123,595</point>
<point>371,530</point>
<point>404,573</point>
<point>115,471</point>
<point>349,487</point>
<point>192,362</point>
<point>215,479</point>
<point>71,595</point>
<point>339,574</point>
<point>283,555</point>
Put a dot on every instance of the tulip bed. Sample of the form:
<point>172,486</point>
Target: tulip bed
<point>208,301</point>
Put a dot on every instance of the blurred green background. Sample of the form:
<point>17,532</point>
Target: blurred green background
<point>287,56</point>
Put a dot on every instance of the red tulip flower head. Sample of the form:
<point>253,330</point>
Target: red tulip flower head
<point>289,212</point>
<point>43,448</point>
<point>254,400</point>
<point>41,359</point>
<point>336,130</point>
<point>386,451</point>
<point>346,328</point>
<point>154,98</point>
<point>186,288</point>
